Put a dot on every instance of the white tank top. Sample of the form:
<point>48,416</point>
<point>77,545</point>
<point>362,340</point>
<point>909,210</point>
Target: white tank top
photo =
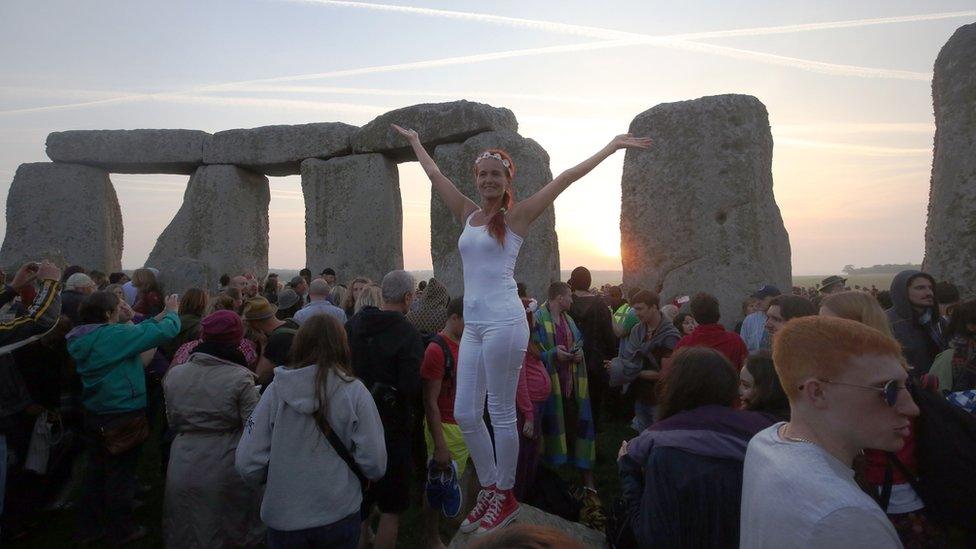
<point>490,293</point>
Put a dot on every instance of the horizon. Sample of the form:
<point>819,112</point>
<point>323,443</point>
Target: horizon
<point>847,87</point>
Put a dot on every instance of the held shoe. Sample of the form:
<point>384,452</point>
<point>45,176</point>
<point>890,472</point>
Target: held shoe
<point>503,510</point>
<point>452,498</point>
<point>473,521</point>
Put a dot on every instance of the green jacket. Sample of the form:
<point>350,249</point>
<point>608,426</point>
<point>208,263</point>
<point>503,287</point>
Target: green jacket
<point>107,360</point>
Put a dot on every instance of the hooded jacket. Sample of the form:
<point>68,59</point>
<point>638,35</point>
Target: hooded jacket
<point>920,342</point>
<point>307,484</point>
<point>681,479</point>
<point>107,360</point>
<point>387,349</point>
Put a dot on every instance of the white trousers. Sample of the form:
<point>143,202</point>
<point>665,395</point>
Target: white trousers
<point>489,360</point>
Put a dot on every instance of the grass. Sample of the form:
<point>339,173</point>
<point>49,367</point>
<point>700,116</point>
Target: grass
<point>56,529</point>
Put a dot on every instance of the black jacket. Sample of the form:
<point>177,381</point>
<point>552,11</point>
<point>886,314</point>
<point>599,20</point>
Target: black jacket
<point>387,349</point>
<point>42,314</point>
<point>920,342</point>
<point>593,318</point>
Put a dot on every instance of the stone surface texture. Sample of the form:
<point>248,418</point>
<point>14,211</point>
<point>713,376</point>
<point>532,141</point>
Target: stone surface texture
<point>278,150</point>
<point>353,215</point>
<point>437,123</point>
<point>222,227</point>
<point>586,537</point>
<point>64,212</point>
<point>697,209</point>
<point>950,235</point>
<point>538,261</point>
<point>130,151</point>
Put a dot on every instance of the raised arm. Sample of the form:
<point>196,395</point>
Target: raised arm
<point>460,205</point>
<point>526,211</point>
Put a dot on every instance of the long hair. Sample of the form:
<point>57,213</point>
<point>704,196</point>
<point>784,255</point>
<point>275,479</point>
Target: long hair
<point>859,306</point>
<point>371,296</point>
<point>193,302</point>
<point>349,300</point>
<point>145,281</point>
<point>699,376</point>
<point>496,225</point>
<point>321,342</point>
<point>770,397</point>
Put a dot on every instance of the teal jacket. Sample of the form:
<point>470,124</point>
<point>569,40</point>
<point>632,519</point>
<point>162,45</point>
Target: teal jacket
<point>107,360</point>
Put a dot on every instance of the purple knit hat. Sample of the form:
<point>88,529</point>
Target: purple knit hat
<point>222,327</point>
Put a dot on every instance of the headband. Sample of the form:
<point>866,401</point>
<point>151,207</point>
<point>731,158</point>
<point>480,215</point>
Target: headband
<point>495,156</point>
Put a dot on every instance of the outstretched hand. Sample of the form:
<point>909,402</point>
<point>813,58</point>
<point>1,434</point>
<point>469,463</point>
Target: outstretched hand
<point>411,135</point>
<point>628,141</point>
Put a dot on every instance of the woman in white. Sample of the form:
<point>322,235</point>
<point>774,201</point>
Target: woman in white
<point>496,330</point>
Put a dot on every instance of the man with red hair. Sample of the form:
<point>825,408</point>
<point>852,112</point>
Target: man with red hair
<point>846,386</point>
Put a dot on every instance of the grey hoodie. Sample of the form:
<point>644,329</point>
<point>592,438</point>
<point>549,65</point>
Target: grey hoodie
<point>307,483</point>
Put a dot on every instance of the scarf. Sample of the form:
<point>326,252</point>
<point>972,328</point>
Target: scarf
<point>222,351</point>
<point>963,364</point>
<point>553,418</point>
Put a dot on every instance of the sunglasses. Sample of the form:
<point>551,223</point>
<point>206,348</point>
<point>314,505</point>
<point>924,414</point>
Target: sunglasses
<point>888,392</point>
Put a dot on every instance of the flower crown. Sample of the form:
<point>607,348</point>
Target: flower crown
<point>494,156</point>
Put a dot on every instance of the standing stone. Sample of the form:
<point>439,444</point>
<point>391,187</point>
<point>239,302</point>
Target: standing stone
<point>278,150</point>
<point>950,235</point>
<point>538,260</point>
<point>353,215</point>
<point>130,151</point>
<point>222,227</point>
<point>437,123</point>
<point>697,209</point>
<point>64,212</point>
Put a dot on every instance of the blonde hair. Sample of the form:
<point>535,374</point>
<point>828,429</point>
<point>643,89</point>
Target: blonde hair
<point>371,296</point>
<point>823,347</point>
<point>348,301</point>
<point>858,306</point>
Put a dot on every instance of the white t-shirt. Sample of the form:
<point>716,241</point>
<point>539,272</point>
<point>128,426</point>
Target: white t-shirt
<point>795,494</point>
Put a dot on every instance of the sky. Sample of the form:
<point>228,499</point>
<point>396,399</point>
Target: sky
<point>847,85</point>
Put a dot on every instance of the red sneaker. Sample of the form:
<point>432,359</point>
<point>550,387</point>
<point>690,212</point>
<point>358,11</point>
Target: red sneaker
<point>473,520</point>
<point>502,510</point>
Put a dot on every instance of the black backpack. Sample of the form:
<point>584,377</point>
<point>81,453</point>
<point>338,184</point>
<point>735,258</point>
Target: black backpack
<point>437,338</point>
<point>945,450</point>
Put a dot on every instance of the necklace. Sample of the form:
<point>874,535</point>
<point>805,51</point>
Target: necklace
<point>783,434</point>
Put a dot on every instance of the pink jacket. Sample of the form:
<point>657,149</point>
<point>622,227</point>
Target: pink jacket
<point>533,386</point>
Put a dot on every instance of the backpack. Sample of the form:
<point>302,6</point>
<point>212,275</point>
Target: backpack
<point>945,450</point>
<point>437,338</point>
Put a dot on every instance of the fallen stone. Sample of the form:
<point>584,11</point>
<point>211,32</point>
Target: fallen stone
<point>65,212</point>
<point>353,215</point>
<point>222,227</point>
<point>538,260</point>
<point>130,151</point>
<point>278,150</point>
<point>436,123</point>
<point>697,209</point>
<point>950,235</point>
<point>586,537</point>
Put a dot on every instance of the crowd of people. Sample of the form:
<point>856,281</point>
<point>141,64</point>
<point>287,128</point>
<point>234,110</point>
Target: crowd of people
<point>287,425</point>
<point>306,413</point>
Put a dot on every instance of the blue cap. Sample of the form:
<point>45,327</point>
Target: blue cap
<point>767,291</point>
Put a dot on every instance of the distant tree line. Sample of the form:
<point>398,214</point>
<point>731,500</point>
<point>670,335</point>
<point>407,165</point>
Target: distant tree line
<point>887,268</point>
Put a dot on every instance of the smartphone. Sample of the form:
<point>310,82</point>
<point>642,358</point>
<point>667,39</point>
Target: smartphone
<point>576,347</point>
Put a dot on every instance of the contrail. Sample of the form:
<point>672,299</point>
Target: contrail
<point>683,41</point>
<point>611,39</point>
<point>604,33</point>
